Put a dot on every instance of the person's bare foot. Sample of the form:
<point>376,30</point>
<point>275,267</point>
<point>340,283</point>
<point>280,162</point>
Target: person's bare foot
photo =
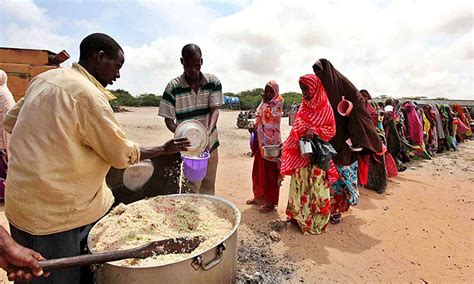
<point>252,201</point>
<point>336,219</point>
<point>267,208</point>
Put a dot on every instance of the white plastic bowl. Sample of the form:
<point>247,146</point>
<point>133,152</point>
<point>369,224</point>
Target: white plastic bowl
<point>196,134</point>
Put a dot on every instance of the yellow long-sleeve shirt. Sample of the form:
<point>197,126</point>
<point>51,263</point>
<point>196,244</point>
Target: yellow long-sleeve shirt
<point>64,139</point>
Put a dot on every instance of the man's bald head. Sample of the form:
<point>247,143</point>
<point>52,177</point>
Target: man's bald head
<point>192,61</point>
<point>190,49</point>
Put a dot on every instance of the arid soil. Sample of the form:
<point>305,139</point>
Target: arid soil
<point>421,230</point>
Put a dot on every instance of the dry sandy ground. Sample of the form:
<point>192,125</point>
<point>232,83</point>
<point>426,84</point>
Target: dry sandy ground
<point>421,230</point>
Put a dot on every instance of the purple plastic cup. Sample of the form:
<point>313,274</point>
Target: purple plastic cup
<point>195,168</point>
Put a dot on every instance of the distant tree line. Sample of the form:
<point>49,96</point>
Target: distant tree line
<point>248,99</point>
<point>124,98</point>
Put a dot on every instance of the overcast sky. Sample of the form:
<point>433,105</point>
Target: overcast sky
<point>398,48</point>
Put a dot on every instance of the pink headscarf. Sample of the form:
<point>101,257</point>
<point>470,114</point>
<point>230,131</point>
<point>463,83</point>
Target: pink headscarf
<point>414,124</point>
<point>268,118</point>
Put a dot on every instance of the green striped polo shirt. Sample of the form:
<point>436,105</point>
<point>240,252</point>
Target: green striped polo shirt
<point>181,103</point>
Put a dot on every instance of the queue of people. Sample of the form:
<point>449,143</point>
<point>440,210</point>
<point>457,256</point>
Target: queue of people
<point>372,141</point>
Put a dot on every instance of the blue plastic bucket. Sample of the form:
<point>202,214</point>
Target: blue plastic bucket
<point>195,168</point>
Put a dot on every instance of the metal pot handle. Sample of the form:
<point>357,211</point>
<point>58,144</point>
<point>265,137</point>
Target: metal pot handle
<point>197,262</point>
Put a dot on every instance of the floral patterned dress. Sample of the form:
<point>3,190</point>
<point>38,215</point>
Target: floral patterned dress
<point>309,202</point>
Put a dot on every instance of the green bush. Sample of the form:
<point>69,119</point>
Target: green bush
<point>124,98</point>
<point>290,98</point>
<point>149,100</point>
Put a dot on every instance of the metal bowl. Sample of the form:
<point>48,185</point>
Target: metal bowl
<point>272,151</point>
<point>196,134</point>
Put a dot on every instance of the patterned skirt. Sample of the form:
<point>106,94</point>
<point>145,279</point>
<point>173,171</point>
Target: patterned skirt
<point>345,192</point>
<point>309,200</point>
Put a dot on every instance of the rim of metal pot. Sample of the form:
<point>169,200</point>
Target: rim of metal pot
<point>193,255</point>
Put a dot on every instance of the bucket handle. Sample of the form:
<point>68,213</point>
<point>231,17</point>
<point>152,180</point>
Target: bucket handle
<point>197,262</point>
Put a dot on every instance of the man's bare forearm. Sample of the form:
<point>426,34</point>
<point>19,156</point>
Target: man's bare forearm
<point>170,147</point>
<point>213,118</point>
<point>171,124</point>
<point>151,152</point>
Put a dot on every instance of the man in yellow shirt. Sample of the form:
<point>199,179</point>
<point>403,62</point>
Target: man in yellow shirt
<point>65,137</point>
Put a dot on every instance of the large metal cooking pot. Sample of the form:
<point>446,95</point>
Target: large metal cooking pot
<point>216,265</point>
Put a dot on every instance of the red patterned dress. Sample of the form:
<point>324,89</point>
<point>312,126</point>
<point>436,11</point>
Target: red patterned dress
<point>309,197</point>
<point>266,171</point>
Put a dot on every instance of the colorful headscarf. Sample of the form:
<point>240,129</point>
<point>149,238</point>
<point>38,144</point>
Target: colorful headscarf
<point>268,118</point>
<point>315,114</point>
<point>448,125</point>
<point>370,107</point>
<point>466,113</point>
<point>439,122</point>
<point>430,114</point>
<point>415,128</point>
<point>458,109</point>
<point>426,127</point>
<point>464,125</point>
<point>396,110</point>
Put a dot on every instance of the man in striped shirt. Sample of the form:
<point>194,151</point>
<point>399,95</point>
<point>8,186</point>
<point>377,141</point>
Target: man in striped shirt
<point>195,95</point>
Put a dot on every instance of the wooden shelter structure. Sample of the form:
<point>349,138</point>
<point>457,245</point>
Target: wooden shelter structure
<point>22,65</point>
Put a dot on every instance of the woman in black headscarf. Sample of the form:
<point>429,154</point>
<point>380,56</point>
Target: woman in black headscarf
<point>357,126</point>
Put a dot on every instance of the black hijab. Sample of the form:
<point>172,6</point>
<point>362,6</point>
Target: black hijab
<point>358,126</point>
